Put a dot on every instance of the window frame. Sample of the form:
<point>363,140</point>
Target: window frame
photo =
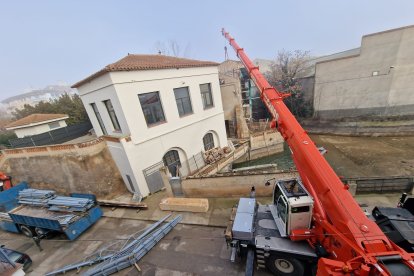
<point>172,155</point>
<point>182,105</point>
<point>205,137</point>
<point>112,115</point>
<point>99,118</point>
<point>164,118</point>
<point>282,206</point>
<point>210,92</point>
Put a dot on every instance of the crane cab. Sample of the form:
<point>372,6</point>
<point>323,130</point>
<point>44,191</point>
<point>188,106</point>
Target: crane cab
<point>292,206</point>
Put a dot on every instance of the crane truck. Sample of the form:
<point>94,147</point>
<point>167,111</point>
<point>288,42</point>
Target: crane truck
<point>313,219</point>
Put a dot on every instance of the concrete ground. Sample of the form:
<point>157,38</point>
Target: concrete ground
<point>186,250</point>
<point>217,214</point>
<point>194,247</point>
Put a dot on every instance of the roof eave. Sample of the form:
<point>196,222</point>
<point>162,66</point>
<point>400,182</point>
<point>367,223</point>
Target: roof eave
<point>105,70</point>
<point>37,123</point>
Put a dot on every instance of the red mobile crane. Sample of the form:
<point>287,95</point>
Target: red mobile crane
<point>345,240</point>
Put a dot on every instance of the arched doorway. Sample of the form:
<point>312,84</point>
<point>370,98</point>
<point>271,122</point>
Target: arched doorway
<point>172,160</point>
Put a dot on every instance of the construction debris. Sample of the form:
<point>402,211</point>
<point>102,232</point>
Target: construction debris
<point>181,204</point>
<point>129,254</point>
<point>213,155</point>
<point>116,204</point>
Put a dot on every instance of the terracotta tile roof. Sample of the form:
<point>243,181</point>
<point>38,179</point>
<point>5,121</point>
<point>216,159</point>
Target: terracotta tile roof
<point>147,62</point>
<point>35,119</point>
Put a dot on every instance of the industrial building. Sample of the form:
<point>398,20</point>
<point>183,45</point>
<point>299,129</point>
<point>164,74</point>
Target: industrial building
<point>374,80</point>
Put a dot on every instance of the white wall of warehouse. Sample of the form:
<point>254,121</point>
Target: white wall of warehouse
<point>378,81</point>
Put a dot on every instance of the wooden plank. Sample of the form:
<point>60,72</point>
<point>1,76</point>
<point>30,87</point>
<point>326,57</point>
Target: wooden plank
<point>113,203</point>
<point>228,233</point>
<point>183,204</point>
<point>233,213</point>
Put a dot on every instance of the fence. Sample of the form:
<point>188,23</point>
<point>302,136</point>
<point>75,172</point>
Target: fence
<point>195,163</point>
<point>56,136</point>
<point>382,185</point>
<point>153,177</point>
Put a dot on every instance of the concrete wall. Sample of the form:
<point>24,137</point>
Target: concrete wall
<point>97,91</point>
<point>242,127</point>
<point>120,157</point>
<point>86,168</point>
<point>377,82</point>
<point>263,144</point>
<point>265,139</point>
<point>188,141</point>
<point>231,184</point>
<point>308,85</point>
<point>230,95</point>
<point>164,81</point>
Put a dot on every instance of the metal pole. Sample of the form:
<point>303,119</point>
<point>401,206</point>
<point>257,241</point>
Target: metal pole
<point>31,139</point>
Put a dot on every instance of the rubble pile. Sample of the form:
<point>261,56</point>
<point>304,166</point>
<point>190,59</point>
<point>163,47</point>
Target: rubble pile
<point>215,154</point>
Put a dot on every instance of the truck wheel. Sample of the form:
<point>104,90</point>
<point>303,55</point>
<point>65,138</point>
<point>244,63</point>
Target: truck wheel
<point>40,231</point>
<point>280,265</point>
<point>27,231</point>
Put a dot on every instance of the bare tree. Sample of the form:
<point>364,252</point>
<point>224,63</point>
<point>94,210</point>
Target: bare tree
<point>172,48</point>
<point>287,67</point>
<point>283,75</point>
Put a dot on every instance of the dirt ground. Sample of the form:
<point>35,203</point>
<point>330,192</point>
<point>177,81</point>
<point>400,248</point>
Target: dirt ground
<point>369,156</point>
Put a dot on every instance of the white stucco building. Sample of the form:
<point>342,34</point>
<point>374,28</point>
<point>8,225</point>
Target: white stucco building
<point>37,123</point>
<point>155,109</point>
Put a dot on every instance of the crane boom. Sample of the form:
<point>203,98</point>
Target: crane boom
<point>354,244</point>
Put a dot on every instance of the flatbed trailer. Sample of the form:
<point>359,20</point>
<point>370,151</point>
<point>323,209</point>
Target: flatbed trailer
<point>40,220</point>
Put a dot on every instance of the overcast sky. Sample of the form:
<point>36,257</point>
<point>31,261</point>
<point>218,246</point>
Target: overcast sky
<point>45,42</point>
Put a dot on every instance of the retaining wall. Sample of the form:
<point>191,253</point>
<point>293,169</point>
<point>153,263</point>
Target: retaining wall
<point>85,167</point>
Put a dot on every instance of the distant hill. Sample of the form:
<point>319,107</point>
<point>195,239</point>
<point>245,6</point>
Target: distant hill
<point>35,96</point>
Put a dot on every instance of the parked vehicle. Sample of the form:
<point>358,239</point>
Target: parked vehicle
<point>18,257</point>
<point>313,219</point>
<point>38,217</point>
<point>264,230</point>
<point>398,222</point>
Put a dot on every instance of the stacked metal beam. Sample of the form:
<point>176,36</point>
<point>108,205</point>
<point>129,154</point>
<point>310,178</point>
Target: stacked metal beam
<point>132,254</point>
<point>35,197</point>
<point>72,204</point>
<point>129,254</point>
<point>48,198</point>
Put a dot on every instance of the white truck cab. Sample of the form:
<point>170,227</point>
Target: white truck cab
<point>292,206</point>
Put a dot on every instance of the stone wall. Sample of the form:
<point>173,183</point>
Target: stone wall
<point>85,168</point>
